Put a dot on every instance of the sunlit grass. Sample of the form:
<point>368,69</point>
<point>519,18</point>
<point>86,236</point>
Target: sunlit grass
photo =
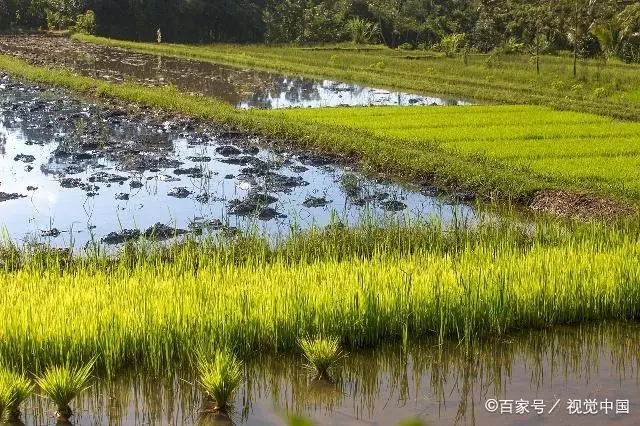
<point>153,309</point>
<point>560,148</point>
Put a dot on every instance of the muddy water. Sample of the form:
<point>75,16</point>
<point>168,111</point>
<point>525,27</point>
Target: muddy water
<point>77,172</point>
<point>242,88</point>
<point>437,385</point>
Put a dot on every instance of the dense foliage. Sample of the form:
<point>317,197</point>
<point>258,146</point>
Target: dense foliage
<point>607,27</point>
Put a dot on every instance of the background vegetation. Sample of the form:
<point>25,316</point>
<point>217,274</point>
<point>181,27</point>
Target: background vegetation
<point>607,28</point>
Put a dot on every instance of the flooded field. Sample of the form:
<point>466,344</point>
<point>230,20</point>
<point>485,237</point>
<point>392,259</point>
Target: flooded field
<point>437,385</point>
<point>242,88</point>
<point>78,172</point>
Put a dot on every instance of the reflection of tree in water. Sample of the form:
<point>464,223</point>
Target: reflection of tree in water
<point>298,91</point>
<point>3,143</point>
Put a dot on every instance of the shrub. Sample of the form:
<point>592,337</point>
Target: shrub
<point>362,31</point>
<point>452,44</point>
<point>86,23</point>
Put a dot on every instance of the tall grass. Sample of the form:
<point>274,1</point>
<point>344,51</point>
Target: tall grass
<point>368,285</point>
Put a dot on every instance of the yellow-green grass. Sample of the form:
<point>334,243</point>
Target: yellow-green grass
<point>584,150</point>
<point>364,286</point>
<point>608,89</point>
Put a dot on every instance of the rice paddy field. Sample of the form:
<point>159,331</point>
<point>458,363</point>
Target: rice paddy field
<point>567,149</point>
<point>603,87</point>
<point>153,309</point>
<point>215,306</point>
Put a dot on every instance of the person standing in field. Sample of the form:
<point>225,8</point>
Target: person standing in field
<point>159,35</point>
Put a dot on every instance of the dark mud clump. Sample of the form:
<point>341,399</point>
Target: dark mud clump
<point>70,182</point>
<point>122,196</point>
<point>394,206</point>
<point>199,225</point>
<point>25,158</point>
<point>376,197</point>
<point>121,237</point>
<point>268,213</point>
<point>251,204</point>
<point>315,202</point>
<point>180,192</point>
<point>53,232</point>
<point>198,159</point>
<point>104,177</point>
<point>161,232</point>
<point>228,150</point>
<point>315,160</point>
<point>193,172</point>
<point>280,183</point>
<point>6,197</point>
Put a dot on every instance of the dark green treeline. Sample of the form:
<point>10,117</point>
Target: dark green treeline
<point>592,27</point>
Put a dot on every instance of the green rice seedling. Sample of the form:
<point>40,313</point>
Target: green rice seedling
<point>322,354</point>
<point>5,397</point>
<point>220,378</point>
<point>17,389</point>
<point>61,384</point>
<point>366,286</point>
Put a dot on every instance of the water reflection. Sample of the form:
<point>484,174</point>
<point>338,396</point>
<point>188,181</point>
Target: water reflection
<point>78,172</point>
<point>445,383</point>
<point>241,87</point>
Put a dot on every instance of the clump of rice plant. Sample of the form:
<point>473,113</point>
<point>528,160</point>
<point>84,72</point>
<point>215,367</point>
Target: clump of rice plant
<point>220,377</point>
<point>4,397</point>
<point>61,384</point>
<point>322,354</point>
<point>14,389</point>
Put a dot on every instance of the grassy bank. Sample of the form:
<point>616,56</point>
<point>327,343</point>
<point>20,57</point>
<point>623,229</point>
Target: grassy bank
<point>365,286</point>
<point>611,88</point>
<point>420,144</point>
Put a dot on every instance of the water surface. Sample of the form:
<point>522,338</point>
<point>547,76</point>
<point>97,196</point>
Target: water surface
<point>244,88</point>
<point>436,384</point>
<point>74,171</point>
